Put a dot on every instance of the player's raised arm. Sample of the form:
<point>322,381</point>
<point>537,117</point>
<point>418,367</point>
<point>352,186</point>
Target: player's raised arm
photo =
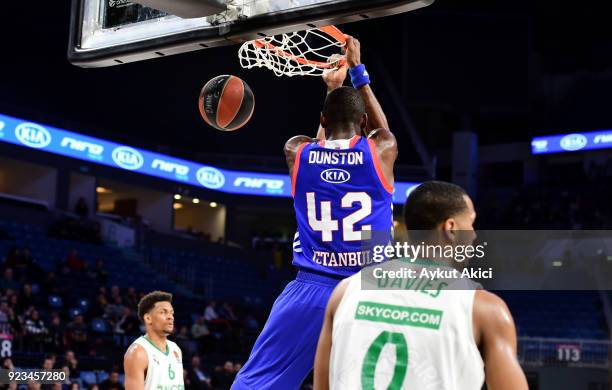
<point>135,364</point>
<point>361,81</point>
<point>377,127</point>
<point>496,337</point>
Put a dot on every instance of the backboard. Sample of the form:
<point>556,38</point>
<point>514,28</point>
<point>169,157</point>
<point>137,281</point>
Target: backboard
<point>112,32</point>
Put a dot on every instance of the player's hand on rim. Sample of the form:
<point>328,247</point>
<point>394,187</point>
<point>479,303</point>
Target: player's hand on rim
<point>334,78</point>
<point>353,51</point>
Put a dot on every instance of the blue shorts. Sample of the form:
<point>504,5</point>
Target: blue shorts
<point>284,352</point>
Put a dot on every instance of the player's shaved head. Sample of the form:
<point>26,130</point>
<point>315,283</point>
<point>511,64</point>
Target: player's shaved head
<point>344,106</point>
<point>432,203</point>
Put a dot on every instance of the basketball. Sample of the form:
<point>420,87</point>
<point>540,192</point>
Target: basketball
<point>226,103</point>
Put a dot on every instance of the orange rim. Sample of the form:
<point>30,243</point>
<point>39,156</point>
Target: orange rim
<point>332,31</point>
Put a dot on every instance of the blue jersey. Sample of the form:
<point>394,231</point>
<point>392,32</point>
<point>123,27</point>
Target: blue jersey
<point>343,206</point>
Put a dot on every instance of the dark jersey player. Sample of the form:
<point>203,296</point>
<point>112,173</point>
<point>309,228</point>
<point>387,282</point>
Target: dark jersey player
<point>343,189</point>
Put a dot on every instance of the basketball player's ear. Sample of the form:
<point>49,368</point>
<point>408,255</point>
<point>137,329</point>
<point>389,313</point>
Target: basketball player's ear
<point>364,122</point>
<point>448,230</point>
<point>323,121</point>
<point>147,318</point>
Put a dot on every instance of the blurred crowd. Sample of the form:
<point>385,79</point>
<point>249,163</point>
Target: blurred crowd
<point>574,197</point>
<point>42,316</point>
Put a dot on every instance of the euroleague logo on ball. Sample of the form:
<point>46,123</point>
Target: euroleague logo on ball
<point>128,158</point>
<point>226,103</point>
<point>210,177</point>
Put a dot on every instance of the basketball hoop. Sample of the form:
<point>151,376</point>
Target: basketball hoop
<point>302,53</point>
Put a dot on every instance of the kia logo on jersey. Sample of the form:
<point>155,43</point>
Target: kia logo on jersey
<point>335,175</point>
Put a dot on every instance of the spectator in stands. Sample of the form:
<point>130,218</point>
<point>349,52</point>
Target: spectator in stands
<point>210,314</point>
<point>112,383</point>
<point>34,385</point>
<point>99,273</point>
<point>223,378</point>
<point>7,281</point>
<point>185,342</point>
<point>197,377</point>
<point>115,293</point>
<point>15,304</point>
<point>126,326</point>
<point>237,367</point>
<point>99,308</point>
<point>77,334</point>
<point>55,336</point>
<point>11,322</point>
<point>74,386</point>
<point>35,330</point>
<point>114,310</point>
<point>48,363</point>
<point>7,364</point>
<point>130,299</point>
<point>201,334</point>
<point>72,363</point>
<point>81,209</point>
<point>227,312</point>
<point>93,386</point>
<point>26,298</point>
<point>217,325</point>
<point>74,261</point>
<point>4,308</point>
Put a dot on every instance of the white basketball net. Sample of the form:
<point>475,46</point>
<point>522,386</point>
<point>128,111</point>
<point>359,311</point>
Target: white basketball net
<point>302,53</point>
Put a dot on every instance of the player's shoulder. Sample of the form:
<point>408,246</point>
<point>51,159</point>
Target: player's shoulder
<point>136,354</point>
<point>490,312</point>
<point>385,142</point>
<point>292,145</point>
<point>488,301</point>
<point>173,345</point>
<point>382,135</point>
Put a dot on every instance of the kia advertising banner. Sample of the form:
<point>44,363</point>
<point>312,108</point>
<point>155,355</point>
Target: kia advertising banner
<point>69,144</point>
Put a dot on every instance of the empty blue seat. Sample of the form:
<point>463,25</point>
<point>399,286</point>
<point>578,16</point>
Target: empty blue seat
<point>102,376</point>
<point>99,325</point>
<point>88,377</point>
<point>55,301</point>
<point>83,304</point>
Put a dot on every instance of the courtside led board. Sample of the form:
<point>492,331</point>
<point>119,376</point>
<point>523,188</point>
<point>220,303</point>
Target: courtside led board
<point>23,133</point>
<point>113,32</point>
<point>573,142</point>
